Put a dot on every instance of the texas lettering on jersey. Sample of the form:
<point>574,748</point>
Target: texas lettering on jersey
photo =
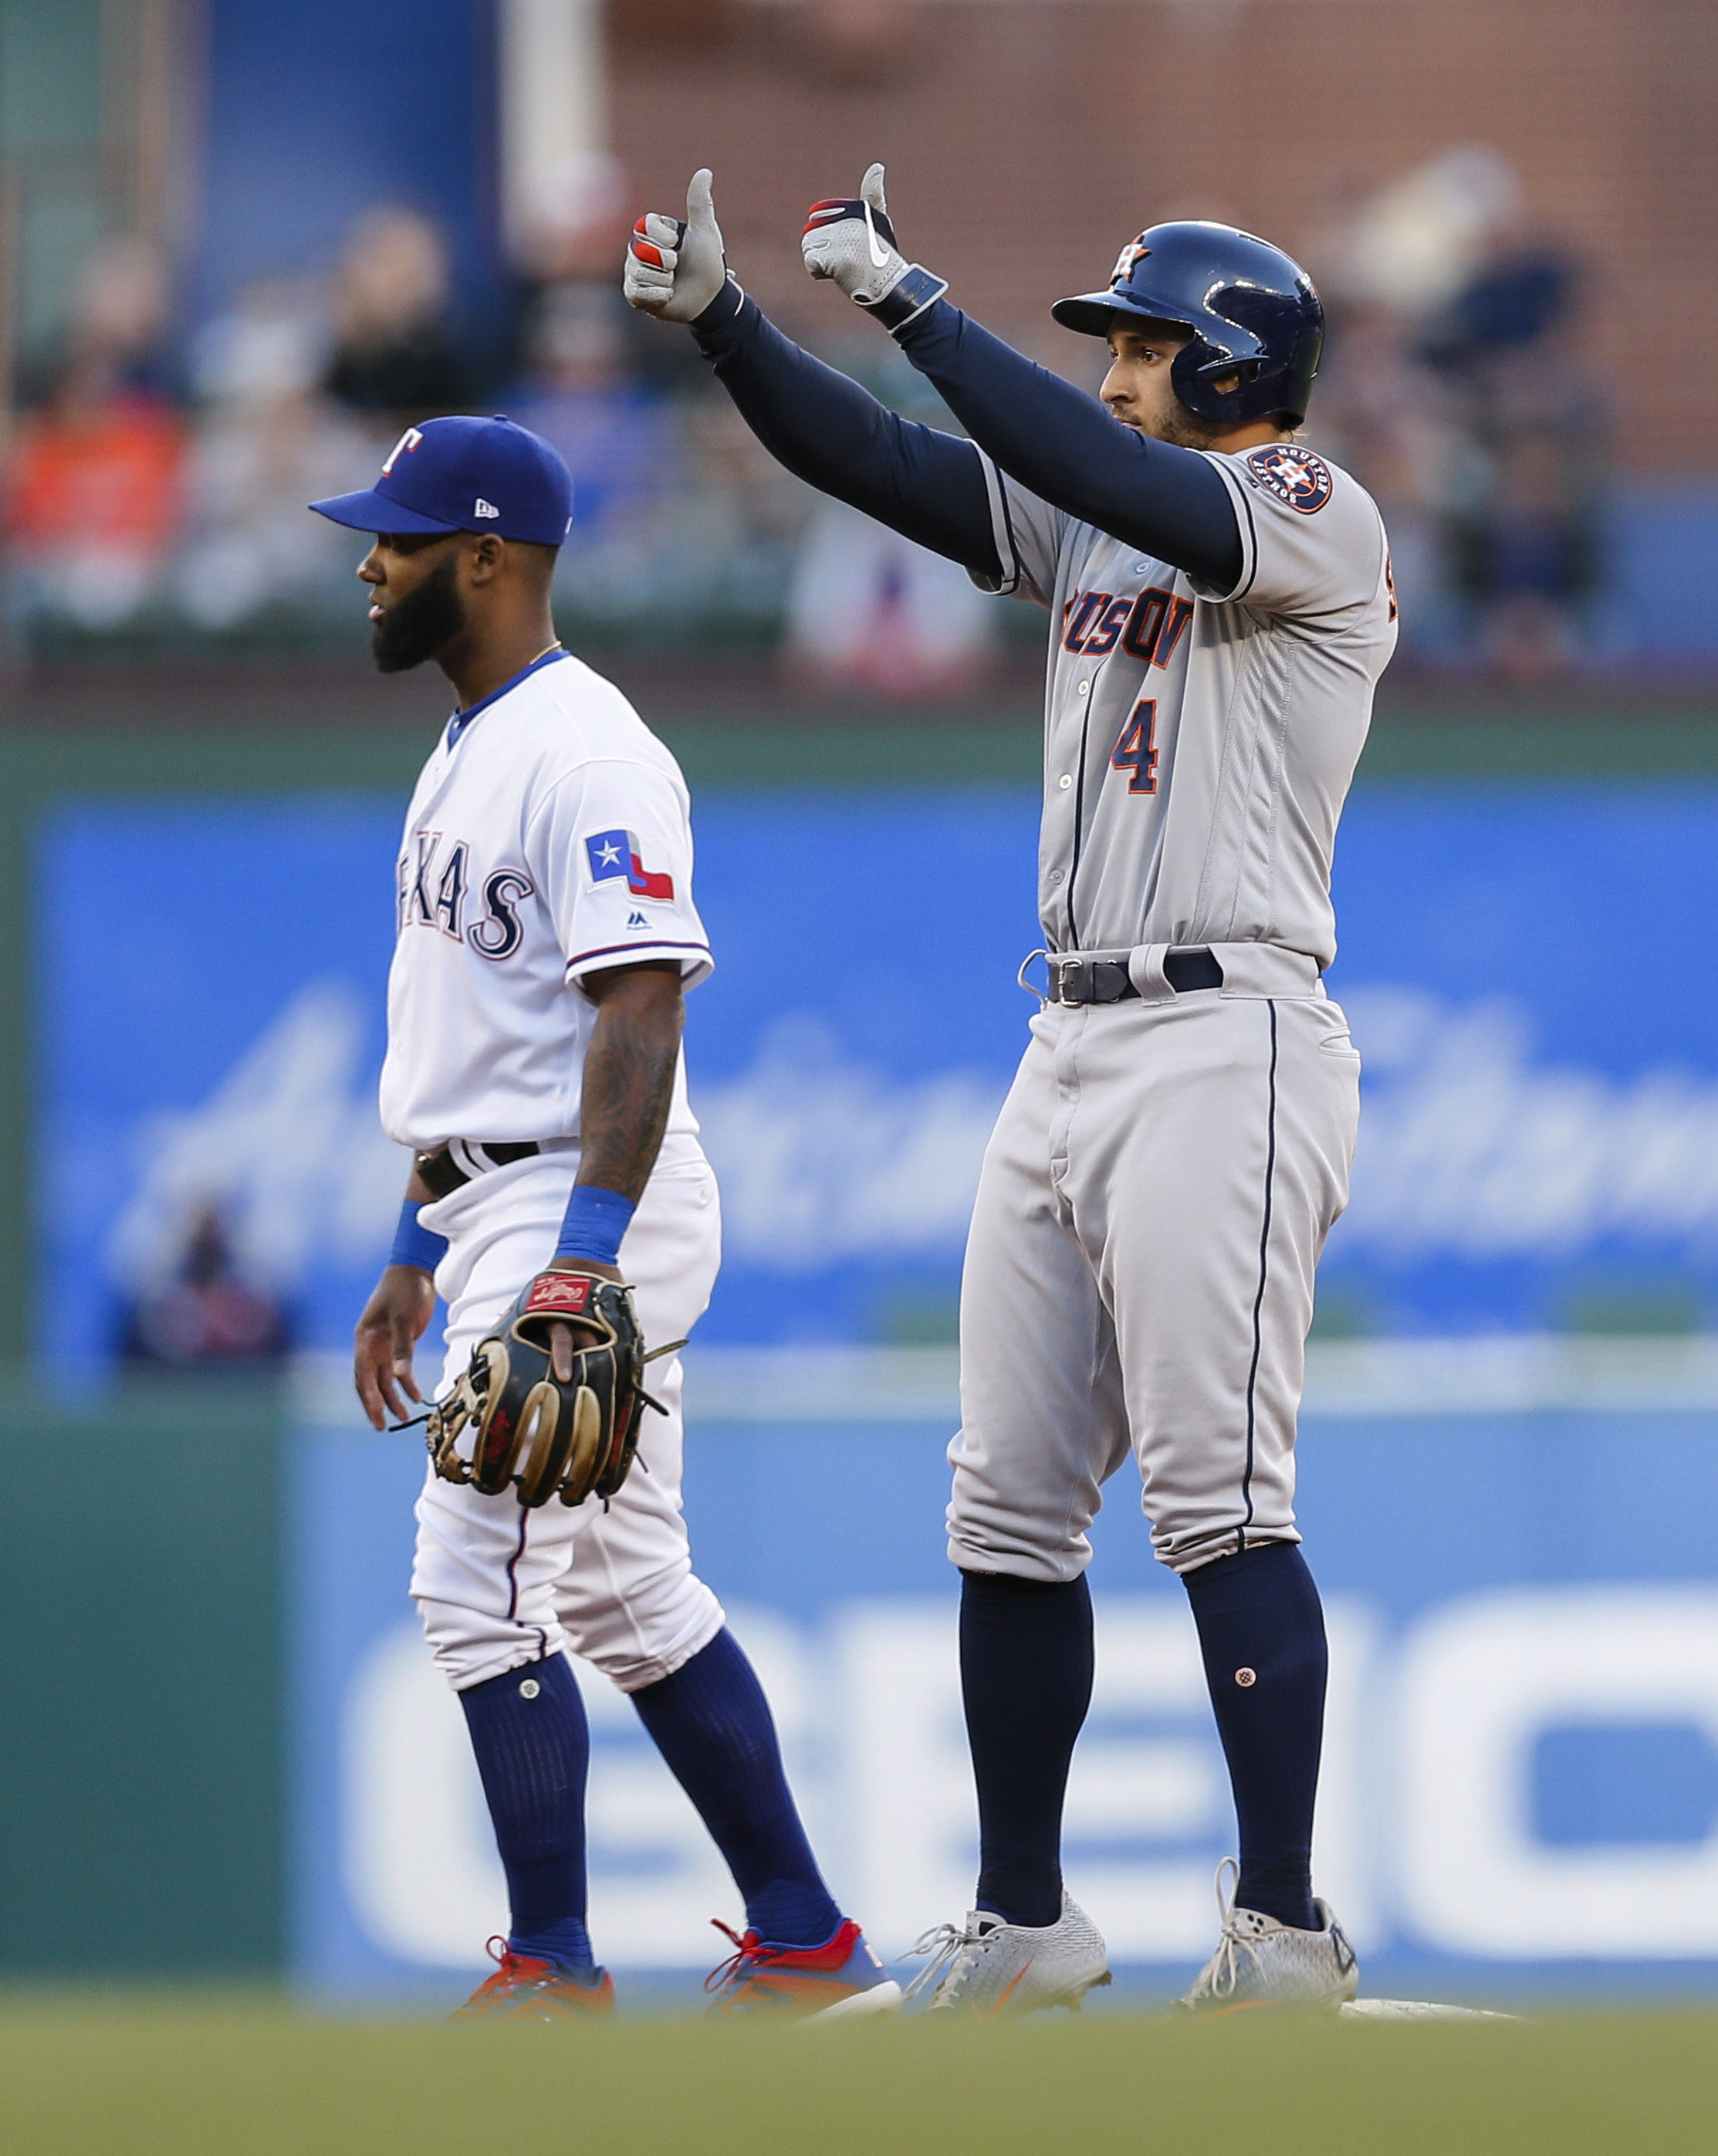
<point>435,892</point>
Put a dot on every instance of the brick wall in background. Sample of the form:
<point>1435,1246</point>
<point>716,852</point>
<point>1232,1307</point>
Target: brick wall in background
<point>1027,139</point>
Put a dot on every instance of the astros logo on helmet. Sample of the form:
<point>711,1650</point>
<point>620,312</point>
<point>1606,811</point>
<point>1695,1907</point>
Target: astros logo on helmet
<point>1132,253</point>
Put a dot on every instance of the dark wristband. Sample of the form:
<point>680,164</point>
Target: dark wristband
<point>907,298</point>
<point>413,1245</point>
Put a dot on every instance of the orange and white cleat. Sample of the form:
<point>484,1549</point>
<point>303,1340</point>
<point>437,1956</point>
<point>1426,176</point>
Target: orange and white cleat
<point>840,1980</point>
<point>524,1989</point>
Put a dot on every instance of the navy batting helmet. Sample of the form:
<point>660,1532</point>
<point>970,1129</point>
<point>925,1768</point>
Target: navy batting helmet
<point>1251,308</point>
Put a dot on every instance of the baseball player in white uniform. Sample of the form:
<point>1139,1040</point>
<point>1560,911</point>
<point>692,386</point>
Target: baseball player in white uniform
<point>547,935</point>
<point>1139,1275</point>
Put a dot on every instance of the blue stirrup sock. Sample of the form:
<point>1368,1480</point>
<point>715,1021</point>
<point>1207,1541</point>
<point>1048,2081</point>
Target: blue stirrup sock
<point>712,1724</point>
<point>1262,1636</point>
<point>533,1751</point>
<point>1026,1677</point>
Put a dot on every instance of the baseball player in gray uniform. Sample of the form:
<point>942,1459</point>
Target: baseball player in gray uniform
<point>1176,1146</point>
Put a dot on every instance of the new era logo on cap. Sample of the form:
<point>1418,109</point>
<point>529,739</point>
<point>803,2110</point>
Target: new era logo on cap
<point>465,474</point>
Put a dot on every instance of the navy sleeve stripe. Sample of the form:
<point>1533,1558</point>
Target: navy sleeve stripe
<point>633,951</point>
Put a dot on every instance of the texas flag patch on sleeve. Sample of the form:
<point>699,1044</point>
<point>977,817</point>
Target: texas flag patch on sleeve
<point>616,854</point>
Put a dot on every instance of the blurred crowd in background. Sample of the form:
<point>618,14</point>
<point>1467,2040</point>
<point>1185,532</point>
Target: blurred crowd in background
<point>155,495</point>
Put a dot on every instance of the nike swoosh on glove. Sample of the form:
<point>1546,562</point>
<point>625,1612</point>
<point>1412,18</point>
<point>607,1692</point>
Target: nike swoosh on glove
<point>675,268</point>
<point>852,243</point>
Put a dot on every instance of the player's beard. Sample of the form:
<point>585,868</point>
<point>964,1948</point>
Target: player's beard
<point>1185,430</point>
<point>423,623</point>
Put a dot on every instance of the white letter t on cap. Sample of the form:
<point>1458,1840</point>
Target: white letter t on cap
<point>407,442</point>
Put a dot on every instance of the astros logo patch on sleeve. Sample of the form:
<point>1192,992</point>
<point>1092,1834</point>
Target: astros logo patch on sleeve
<point>1293,474</point>
<point>616,854</point>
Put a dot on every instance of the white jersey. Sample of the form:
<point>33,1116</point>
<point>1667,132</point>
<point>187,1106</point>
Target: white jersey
<point>549,837</point>
<point>1199,744</point>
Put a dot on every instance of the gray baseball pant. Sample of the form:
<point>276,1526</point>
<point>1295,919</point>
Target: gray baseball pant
<point>1139,1272</point>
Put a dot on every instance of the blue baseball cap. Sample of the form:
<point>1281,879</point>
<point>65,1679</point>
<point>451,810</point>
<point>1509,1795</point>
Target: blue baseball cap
<point>463,474</point>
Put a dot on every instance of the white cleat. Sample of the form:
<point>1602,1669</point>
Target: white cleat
<point>1418,2009</point>
<point>1260,1961</point>
<point>991,1968</point>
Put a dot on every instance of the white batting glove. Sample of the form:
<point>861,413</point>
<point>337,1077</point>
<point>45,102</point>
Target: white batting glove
<point>851,243</point>
<point>673,270</point>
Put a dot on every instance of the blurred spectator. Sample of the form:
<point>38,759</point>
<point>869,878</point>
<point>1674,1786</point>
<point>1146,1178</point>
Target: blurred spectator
<point>575,222</point>
<point>94,492</point>
<point>206,1314</point>
<point>394,353</point>
<point>116,342</point>
<point>868,609</point>
<point>705,558</point>
<point>578,393</point>
<point>1458,394</point>
<point>1525,546</point>
<point>266,443</point>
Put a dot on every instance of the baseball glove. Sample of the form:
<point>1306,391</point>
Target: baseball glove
<point>511,1421</point>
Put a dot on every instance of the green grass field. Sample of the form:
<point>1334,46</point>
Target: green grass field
<point>125,2077</point>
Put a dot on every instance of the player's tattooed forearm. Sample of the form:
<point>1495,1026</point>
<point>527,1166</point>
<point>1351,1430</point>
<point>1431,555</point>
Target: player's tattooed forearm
<point>628,1088</point>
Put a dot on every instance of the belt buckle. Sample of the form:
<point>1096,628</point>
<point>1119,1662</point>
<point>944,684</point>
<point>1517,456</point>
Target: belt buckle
<point>1074,972</point>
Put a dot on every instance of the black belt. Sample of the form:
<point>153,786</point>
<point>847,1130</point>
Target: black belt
<point>1105,980</point>
<point>450,1167</point>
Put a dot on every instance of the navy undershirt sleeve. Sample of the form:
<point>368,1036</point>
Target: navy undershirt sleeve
<point>1065,447</point>
<point>927,486</point>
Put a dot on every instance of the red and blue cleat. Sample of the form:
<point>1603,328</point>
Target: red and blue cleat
<point>840,1980</point>
<point>524,1989</point>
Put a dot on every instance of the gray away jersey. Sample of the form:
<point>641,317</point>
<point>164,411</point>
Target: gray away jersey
<point>1198,744</point>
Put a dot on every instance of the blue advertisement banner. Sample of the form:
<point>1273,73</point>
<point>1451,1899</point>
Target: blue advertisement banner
<point>1520,1777</point>
<point>1509,1507</point>
<point>1539,1138</point>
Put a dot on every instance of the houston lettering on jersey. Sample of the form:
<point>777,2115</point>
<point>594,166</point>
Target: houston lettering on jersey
<point>1149,623</point>
<point>616,854</point>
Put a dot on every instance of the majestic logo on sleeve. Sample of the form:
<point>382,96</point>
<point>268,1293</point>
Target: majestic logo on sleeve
<point>616,854</point>
<point>1293,474</point>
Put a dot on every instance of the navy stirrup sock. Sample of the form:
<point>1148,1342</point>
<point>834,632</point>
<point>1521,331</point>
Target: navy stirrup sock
<point>1262,1634</point>
<point>533,1750</point>
<point>712,1724</point>
<point>1026,1675</point>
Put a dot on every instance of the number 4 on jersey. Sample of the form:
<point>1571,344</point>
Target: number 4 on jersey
<point>1137,751</point>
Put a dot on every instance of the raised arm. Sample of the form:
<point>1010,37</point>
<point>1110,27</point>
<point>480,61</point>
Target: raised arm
<point>1063,445</point>
<point>927,486</point>
<point>1054,439</point>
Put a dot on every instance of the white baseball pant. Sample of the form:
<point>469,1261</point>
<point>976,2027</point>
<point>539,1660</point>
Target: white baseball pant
<point>497,1585</point>
<point>1139,1273</point>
